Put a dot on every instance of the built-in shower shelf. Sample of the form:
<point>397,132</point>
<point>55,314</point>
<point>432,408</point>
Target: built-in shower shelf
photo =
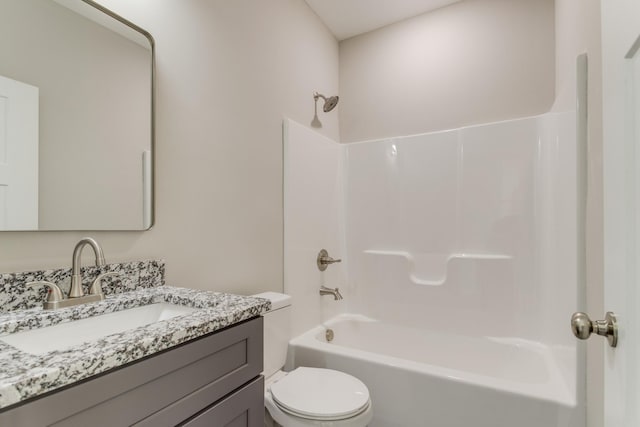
<point>438,269</point>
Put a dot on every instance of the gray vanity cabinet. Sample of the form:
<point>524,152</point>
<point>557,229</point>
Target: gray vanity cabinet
<point>212,381</point>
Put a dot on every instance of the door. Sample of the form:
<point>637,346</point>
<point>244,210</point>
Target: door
<point>18,155</point>
<point>621,132</point>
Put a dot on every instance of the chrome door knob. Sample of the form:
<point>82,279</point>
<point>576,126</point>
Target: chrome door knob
<point>582,327</point>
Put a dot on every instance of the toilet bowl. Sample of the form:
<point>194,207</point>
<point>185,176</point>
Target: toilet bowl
<point>306,396</point>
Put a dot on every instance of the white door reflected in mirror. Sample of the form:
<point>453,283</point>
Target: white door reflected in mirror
<point>18,155</point>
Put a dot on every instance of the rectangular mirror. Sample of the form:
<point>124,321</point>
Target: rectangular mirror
<point>76,118</point>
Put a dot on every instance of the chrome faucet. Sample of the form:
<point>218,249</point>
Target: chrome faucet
<point>76,278</point>
<point>331,291</point>
<point>55,298</point>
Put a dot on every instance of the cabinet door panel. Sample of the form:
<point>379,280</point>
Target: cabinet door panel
<point>243,408</point>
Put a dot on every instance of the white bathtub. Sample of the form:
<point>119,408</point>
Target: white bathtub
<point>423,378</point>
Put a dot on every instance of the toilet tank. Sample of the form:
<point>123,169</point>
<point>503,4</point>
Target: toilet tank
<point>277,331</point>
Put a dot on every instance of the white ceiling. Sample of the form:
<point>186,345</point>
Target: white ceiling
<point>347,18</point>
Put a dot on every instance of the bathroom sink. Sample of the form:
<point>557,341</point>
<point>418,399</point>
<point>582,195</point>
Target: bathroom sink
<point>65,335</point>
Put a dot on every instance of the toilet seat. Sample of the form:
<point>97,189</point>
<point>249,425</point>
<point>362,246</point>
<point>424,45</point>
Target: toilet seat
<point>320,394</point>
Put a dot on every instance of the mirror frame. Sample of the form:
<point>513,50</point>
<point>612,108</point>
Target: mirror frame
<point>152,43</point>
<point>152,171</point>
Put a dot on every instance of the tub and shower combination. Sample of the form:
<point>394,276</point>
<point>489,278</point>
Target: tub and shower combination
<point>458,272</point>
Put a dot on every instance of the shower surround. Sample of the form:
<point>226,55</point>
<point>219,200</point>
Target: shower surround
<point>470,230</point>
<point>468,234</point>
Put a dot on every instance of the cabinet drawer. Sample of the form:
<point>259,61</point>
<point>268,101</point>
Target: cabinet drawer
<point>218,363</point>
<point>243,408</point>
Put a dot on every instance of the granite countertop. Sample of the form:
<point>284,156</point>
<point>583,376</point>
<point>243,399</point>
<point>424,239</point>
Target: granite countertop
<point>24,375</point>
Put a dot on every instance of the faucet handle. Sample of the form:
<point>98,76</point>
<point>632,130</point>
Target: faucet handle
<point>96,286</point>
<point>54,293</point>
<point>323,260</point>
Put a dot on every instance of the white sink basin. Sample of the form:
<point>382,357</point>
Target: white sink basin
<point>65,335</point>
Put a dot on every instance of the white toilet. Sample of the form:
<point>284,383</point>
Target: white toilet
<point>306,397</point>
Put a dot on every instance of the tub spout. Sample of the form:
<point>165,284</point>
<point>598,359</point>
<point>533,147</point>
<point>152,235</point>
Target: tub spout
<point>331,291</point>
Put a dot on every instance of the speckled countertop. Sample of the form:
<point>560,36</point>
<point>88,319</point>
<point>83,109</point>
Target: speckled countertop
<point>24,375</point>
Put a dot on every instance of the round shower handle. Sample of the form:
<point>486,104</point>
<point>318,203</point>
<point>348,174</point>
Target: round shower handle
<point>324,260</point>
<point>582,327</point>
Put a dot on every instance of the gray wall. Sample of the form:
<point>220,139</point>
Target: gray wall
<point>475,61</point>
<point>228,71</point>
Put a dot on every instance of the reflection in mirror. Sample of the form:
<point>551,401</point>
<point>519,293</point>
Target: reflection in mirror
<point>76,118</point>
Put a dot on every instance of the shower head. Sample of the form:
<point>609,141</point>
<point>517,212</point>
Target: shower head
<point>329,103</point>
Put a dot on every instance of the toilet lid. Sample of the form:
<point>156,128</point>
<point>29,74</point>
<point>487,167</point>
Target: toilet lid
<point>324,394</point>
